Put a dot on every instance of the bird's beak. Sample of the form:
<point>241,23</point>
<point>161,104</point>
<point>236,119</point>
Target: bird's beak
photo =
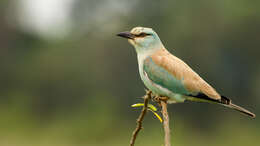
<point>126,34</point>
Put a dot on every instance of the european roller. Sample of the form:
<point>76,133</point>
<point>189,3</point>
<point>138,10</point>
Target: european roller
<point>167,75</point>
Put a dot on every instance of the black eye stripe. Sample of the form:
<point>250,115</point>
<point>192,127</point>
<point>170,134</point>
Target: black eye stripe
<point>142,34</point>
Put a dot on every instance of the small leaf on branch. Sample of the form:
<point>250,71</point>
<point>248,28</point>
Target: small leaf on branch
<point>157,116</point>
<point>152,107</point>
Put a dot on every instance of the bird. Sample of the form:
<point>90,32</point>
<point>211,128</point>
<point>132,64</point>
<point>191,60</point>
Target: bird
<point>168,76</point>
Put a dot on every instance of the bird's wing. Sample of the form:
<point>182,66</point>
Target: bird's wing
<point>172,73</point>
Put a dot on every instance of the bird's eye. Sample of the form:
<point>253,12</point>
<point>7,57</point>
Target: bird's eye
<point>142,34</point>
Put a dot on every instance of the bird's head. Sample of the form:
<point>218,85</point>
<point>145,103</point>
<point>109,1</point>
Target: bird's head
<point>142,38</point>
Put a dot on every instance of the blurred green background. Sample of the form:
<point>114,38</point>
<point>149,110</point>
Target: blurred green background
<point>66,79</point>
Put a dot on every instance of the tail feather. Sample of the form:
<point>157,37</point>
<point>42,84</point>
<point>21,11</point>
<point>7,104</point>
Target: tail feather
<point>240,109</point>
<point>223,101</point>
<point>227,102</point>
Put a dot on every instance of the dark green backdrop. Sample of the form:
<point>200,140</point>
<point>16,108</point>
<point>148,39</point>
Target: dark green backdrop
<point>73,84</point>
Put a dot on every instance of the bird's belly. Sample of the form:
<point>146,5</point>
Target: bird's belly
<point>159,90</point>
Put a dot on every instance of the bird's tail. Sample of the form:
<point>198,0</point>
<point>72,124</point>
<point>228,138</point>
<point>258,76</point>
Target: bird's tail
<point>227,102</point>
<point>223,101</point>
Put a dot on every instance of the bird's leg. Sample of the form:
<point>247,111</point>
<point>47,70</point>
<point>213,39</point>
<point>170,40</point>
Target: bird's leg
<point>164,98</point>
<point>158,99</point>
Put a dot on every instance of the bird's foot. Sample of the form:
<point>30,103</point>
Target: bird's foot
<point>158,99</point>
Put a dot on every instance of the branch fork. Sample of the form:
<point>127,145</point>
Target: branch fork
<point>162,101</point>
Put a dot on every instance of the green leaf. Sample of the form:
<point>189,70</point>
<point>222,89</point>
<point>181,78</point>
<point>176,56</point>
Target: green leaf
<point>157,116</point>
<point>137,105</point>
<point>150,106</point>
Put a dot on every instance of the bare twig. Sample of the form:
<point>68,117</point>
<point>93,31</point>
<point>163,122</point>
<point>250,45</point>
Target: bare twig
<point>139,121</point>
<point>167,134</point>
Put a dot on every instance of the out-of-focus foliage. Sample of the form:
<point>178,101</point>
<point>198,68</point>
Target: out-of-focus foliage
<point>66,79</point>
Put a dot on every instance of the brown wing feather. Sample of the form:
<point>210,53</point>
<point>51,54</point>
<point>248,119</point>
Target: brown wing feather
<point>192,81</point>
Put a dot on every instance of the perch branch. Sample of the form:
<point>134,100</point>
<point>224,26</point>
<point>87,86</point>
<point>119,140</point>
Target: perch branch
<point>139,121</point>
<point>167,138</point>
